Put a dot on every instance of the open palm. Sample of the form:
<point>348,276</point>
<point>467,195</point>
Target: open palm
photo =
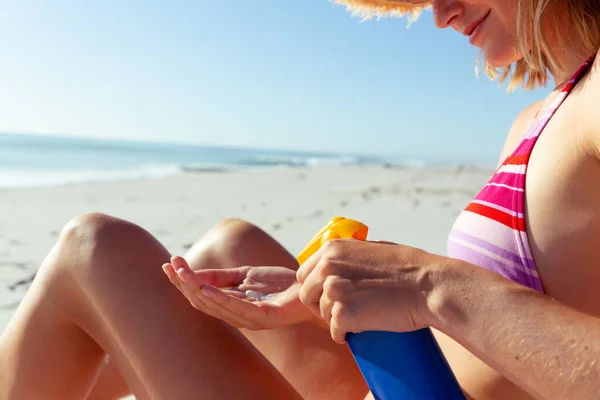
<point>245,297</point>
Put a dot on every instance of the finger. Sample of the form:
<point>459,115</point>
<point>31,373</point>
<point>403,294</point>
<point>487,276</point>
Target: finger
<point>205,305</point>
<point>223,277</point>
<point>260,287</point>
<point>240,294</point>
<point>185,278</point>
<point>249,310</point>
<point>179,262</point>
<point>338,334</point>
<point>325,307</point>
<point>311,292</point>
<point>308,266</point>
<point>170,271</point>
<point>189,278</point>
<point>245,313</point>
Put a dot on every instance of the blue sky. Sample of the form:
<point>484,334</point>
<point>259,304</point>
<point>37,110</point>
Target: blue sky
<point>278,74</point>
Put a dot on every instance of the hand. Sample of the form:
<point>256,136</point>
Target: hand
<point>246,297</point>
<point>358,286</point>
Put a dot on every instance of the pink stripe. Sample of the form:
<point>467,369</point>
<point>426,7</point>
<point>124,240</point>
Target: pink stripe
<point>498,195</point>
<point>506,236</point>
<point>525,146</point>
<point>506,178</point>
<point>516,189</point>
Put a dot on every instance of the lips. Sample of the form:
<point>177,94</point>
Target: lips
<point>471,28</point>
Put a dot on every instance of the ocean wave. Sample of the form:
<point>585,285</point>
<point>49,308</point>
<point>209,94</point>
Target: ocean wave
<point>29,178</point>
<point>297,161</point>
<point>15,178</point>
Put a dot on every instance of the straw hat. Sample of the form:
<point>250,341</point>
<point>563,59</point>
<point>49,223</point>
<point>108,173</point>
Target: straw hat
<point>382,8</point>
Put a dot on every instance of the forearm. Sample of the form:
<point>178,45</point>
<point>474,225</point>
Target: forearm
<point>543,346</point>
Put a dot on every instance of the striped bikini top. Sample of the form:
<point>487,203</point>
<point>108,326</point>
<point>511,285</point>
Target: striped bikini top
<point>491,231</point>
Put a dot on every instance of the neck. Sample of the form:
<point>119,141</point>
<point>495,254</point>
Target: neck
<point>569,55</point>
<point>568,66</point>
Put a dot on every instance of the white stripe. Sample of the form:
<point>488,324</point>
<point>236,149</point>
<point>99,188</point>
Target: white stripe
<point>505,186</point>
<point>488,253</point>
<point>497,207</point>
<point>513,168</point>
<point>486,229</point>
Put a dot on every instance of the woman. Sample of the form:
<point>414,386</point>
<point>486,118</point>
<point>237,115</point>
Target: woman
<point>514,306</point>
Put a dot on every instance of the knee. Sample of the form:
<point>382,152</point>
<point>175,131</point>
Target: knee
<point>94,234</point>
<point>94,240</point>
<point>235,242</point>
<point>233,234</point>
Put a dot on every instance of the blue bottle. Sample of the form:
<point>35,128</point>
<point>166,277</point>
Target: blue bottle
<point>399,366</point>
<point>404,366</point>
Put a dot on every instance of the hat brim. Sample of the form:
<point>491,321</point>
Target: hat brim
<point>381,8</point>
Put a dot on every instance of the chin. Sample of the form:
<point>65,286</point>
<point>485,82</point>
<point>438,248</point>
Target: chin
<point>500,58</point>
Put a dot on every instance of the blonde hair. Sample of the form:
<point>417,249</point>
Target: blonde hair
<point>538,59</point>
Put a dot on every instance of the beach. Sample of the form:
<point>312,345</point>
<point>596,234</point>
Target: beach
<point>412,206</point>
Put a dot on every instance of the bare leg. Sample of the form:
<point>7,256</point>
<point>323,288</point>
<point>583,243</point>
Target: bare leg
<point>110,384</point>
<point>305,354</point>
<point>96,293</point>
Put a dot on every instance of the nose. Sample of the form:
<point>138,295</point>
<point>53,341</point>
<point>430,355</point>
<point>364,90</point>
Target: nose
<point>446,11</point>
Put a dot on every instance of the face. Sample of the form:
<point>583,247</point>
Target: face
<point>490,25</point>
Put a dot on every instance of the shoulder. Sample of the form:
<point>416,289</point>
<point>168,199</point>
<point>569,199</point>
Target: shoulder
<point>590,108</point>
<point>519,126</point>
<point>525,118</point>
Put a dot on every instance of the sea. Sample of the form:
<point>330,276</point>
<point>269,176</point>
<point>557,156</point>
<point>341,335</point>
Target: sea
<point>28,161</point>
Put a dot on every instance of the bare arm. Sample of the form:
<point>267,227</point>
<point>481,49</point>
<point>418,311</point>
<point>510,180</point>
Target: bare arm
<point>545,347</point>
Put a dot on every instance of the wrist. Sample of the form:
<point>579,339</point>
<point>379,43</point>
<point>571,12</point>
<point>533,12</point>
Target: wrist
<point>447,287</point>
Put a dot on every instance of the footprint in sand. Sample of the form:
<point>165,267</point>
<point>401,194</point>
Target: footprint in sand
<point>22,282</point>
<point>374,190</point>
<point>20,265</point>
<point>10,306</point>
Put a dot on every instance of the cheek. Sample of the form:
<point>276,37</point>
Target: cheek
<point>500,46</point>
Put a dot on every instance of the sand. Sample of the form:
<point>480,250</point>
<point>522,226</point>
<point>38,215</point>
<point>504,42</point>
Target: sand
<point>412,206</point>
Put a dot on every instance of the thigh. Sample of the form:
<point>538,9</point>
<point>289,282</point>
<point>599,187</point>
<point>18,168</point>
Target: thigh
<point>305,354</point>
<point>98,291</point>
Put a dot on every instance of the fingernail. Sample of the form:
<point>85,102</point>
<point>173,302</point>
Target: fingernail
<point>182,275</point>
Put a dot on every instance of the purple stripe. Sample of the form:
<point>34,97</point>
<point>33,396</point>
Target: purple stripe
<point>522,237</point>
<point>498,195</point>
<point>499,251</point>
<point>460,252</point>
